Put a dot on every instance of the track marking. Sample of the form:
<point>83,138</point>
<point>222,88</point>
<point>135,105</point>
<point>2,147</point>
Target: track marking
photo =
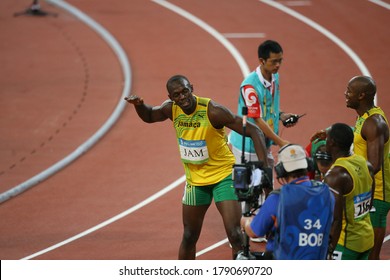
<point>296,3</point>
<point>380,3</point>
<point>213,32</point>
<point>355,58</point>
<point>106,126</point>
<point>150,199</point>
<point>212,247</point>
<point>244,35</point>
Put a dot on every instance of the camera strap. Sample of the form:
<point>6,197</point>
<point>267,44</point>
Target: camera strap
<point>244,121</point>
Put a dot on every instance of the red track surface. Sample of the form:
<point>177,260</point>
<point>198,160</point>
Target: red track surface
<point>60,82</point>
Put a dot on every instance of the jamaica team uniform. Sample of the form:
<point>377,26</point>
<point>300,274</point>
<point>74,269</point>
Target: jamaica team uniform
<point>204,151</point>
<point>382,178</point>
<point>381,204</point>
<point>357,233</point>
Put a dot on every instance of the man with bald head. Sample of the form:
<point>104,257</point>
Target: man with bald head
<point>371,140</point>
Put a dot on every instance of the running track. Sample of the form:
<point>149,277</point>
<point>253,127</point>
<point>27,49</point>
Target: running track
<point>120,198</point>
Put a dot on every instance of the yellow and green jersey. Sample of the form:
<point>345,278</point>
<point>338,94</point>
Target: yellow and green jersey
<point>382,178</point>
<point>357,233</point>
<point>204,150</point>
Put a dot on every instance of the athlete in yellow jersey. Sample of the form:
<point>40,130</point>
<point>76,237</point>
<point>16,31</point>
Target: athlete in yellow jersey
<point>204,151</point>
<point>351,178</point>
<point>208,162</point>
<point>372,142</point>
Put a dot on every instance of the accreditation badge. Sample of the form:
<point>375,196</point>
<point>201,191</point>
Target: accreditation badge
<point>270,122</point>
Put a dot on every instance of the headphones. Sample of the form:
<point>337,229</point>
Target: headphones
<point>281,171</point>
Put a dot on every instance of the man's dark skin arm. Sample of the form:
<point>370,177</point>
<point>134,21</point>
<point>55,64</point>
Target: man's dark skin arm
<point>221,116</point>
<point>148,113</point>
<point>341,183</point>
<point>371,170</point>
<point>376,132</point>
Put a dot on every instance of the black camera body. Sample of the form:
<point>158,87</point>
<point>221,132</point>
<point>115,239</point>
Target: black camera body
<point>249,181</point>
<point>247,190</point>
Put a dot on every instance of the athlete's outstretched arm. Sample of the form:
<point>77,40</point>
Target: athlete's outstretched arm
<point>148,113</point>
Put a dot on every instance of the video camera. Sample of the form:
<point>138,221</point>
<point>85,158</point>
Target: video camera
<point>249,181</point>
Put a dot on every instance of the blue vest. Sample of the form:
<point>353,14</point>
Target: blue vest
<point>270,106</point>
<point>304,218</point>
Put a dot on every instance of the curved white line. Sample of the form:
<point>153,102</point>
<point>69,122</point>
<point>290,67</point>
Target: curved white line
<point>245,71</point>
<point>323,31</point>
<point>106,126</point>
<point>110,221</point>
<point>220,38</point>
<point>121,104</point>
<point>381,3</point>
<point>212,247</point>
<point>355,58</point>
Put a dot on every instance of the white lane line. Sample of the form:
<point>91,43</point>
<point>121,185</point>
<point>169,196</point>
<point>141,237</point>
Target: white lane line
<point>16,190</point>
<point>355,58</point>
<point>212,247</point>
<point>111,220</point>
<point>381,3</point>
<point>96,137</point>
<point>296,3</point>
<point>244,35</point>
<point>233,51</point>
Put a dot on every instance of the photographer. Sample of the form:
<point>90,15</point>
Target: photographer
<point>296,218</point>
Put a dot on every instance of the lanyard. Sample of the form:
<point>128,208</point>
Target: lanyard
<point>270,88</point>
<point>272,91</point>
